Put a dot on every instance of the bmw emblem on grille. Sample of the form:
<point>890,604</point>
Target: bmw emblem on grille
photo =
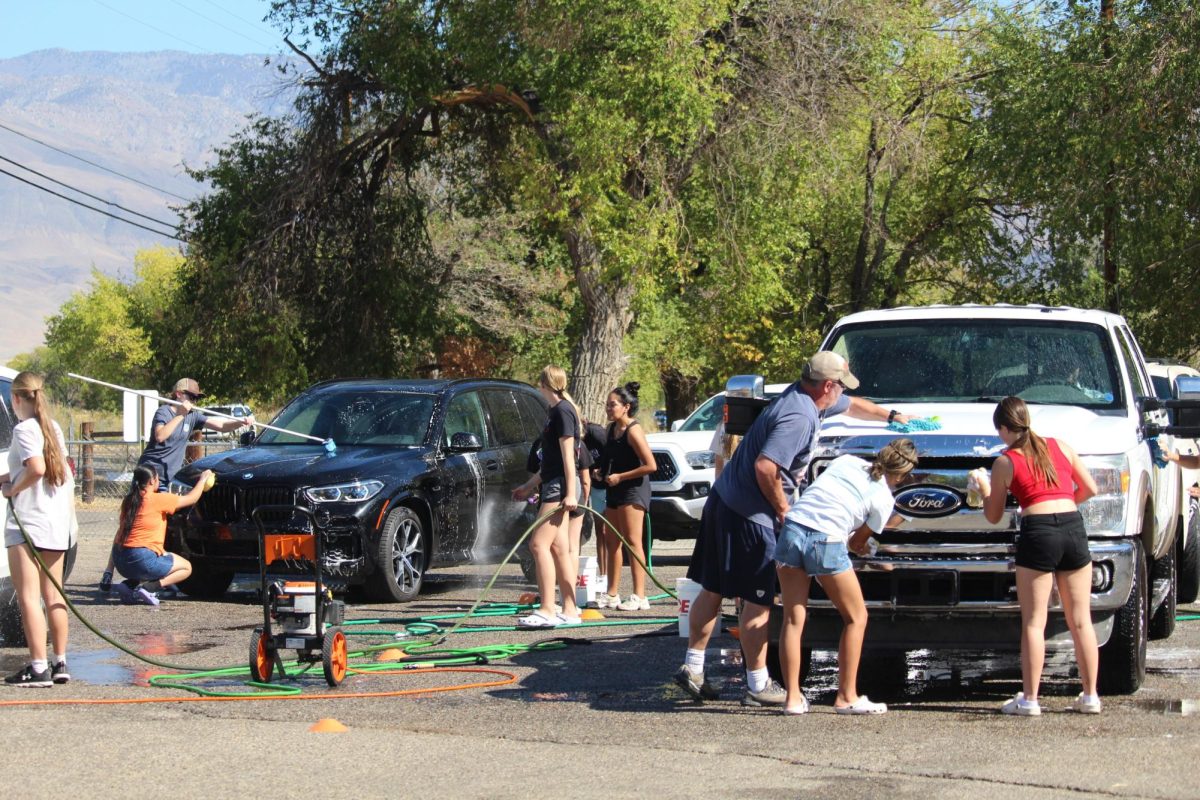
<point>247,476</point>
<point>928,501</point>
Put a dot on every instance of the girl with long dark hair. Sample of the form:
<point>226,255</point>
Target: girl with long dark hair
<point>138,550</point>
<point>626,464</point>
<point>1049,481</point>
<point>41,493</point>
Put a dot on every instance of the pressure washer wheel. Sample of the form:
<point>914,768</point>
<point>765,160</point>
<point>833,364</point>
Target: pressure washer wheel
<point>333,656</point>
<point>262,664</point>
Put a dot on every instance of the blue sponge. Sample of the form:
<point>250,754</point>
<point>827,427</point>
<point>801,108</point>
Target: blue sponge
<point>915,425</point>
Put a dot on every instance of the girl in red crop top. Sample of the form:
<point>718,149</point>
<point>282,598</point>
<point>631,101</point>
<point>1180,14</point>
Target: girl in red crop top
<point>1049,481</point>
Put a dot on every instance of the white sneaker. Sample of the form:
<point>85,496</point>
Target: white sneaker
<point>1021,707</point>
<point>634,603</point>
<point>1085,705</point>
<point>604,600</point>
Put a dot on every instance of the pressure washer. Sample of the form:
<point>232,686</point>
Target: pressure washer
<point>297,615</point>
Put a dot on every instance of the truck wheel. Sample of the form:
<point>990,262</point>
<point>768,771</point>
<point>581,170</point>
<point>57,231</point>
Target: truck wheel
<point>206,581</point>
<point>12,633</point>
<point>775,666</point>
<point>1123,658</point>
<point>1188,566</point>
<point>401,558</point>
<point>1162,624</point>
<point>883,673</point>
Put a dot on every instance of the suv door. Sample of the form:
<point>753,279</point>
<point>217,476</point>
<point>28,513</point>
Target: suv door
<point>506,471</point>
<point>461,476</point>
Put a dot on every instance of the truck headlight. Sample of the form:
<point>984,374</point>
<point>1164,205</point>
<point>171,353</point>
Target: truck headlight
<point>1104,514</point>
<point>354,492</point>
<point>701,459</point>
<point>177,486</point>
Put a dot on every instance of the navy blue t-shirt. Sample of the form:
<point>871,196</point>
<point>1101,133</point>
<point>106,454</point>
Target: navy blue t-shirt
<point>166,458</point>
<point>785,433</point>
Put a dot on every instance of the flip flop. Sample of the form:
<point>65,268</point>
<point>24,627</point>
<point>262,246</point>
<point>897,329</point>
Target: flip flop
<point>539,620</point>
<point>861,706</point>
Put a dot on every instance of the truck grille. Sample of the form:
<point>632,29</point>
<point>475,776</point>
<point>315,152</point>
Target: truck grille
<point>666,471</point>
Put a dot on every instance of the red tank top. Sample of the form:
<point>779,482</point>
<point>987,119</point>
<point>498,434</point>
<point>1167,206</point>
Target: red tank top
<point>1029,489</point>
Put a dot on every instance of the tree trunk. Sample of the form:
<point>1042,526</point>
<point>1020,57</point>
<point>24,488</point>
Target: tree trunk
<point>599,360</point>
<point>680,393</point>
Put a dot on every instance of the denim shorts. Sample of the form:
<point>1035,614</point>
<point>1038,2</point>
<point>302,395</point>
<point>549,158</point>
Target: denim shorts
<point>142,563</point>
<point>812,551</point>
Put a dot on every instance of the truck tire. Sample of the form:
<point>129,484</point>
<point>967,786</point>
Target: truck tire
<point>1188,566</point>
<point>1162,624</point>
<point>1123,657</point>
<point>883,674</point>
<point>206,581</point>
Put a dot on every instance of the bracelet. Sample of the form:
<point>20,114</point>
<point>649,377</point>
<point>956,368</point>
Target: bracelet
<point>892,416</point>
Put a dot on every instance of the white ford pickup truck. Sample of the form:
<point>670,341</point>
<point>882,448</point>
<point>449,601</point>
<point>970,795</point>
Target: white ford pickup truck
<point>944,579</point>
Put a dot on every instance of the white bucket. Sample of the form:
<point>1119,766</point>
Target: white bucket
<point>585,582</point>
<point>688,591</point>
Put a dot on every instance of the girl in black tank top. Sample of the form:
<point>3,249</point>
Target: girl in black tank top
<point>625,467</point>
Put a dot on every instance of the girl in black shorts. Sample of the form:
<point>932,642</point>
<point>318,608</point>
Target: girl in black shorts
<point>1049,481</point>
<point>625,467</point>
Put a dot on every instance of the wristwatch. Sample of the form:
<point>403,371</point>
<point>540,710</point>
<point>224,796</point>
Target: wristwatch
<point>892,416</point>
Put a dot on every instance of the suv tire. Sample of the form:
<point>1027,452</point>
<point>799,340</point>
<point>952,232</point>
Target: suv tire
<point>1188,565</point>
<point>401,558</point>
<point>1123,657</point>
<point>206,581</point>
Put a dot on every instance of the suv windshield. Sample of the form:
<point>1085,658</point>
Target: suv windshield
<point>355,417</point>
<point>981,361</point>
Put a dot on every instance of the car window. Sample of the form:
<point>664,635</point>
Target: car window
<point>1162,386</point>
<point>506,420</point>
<point>355,417</point>
<point>7,420</point>
<point>464,414</point>
<point>707,416</point>
<point>533,415</point>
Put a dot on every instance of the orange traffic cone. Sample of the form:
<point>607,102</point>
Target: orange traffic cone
<point>328,725</point>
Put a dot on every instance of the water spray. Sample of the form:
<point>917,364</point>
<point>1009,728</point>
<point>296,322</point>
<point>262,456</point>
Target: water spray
<point>328,444</point>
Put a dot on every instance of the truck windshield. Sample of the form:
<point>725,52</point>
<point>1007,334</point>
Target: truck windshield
<point>355,418</point>
<point>981,361</point>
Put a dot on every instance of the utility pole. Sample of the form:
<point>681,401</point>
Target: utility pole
<point>1108,237</point>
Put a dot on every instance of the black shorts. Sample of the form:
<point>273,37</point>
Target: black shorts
<point>733,557</point>
<point>628,493</point>
<point>1053,542</point>
<point>552,495</point>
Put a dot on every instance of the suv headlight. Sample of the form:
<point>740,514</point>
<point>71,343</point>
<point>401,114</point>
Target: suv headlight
<point>354,492</point>
<point>701,459</point>
<point>1104,514</point>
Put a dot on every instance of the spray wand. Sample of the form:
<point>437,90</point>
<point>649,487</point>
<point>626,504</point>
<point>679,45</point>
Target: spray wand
<point>329,445</point>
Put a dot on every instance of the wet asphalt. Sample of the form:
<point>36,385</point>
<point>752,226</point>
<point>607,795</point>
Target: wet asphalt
<point>599,717</point>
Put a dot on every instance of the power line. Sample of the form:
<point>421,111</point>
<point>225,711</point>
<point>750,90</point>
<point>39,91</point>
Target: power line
<point>86,194</point>
<point>222,25</point>
<point>152,27</point>
<point>92,208</point>
<point>93,163</point>
<point>240,18</point>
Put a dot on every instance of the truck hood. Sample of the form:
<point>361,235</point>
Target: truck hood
<point>688,441</point>
<point>305,465</point>
<point>1087,432</point>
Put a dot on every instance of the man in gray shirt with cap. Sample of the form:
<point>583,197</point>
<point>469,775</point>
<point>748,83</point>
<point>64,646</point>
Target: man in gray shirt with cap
<point>735,546</point>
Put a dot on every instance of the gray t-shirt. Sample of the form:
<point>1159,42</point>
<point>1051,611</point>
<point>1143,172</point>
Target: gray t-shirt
<point>785,433</point>
<point>167,458</point>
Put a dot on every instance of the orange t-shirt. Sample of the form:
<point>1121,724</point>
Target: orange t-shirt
<point>150,526</point>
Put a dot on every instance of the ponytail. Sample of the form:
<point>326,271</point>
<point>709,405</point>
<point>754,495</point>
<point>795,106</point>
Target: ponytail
<point>30,387</point>
<point>1013,414</point>
<point>897,458</point>
<point>131,505</point>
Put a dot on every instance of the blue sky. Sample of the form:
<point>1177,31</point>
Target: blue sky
<point>126,26</point>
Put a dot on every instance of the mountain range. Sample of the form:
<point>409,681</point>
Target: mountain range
<point>139,118</point>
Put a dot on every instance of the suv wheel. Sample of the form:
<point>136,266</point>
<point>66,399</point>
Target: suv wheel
<point>1189,554</point>
<point>401,558</point>
<point>1123,657</point>
<point>206,581</point>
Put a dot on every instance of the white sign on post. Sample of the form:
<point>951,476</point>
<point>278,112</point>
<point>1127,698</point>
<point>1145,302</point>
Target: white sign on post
<point>138,413</point>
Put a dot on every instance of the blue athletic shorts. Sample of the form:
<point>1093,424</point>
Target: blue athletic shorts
<point>142,563</point>
<point>810,550</point>
<point>733,556</point>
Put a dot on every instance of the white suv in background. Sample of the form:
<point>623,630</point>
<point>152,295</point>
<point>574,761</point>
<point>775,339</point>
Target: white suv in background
<point>1164,374</point>
<point>685,474</point>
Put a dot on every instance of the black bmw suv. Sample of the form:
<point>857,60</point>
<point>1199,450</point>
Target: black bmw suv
<point>421,477</point>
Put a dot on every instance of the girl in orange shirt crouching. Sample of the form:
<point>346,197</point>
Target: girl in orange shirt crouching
<point>138,552</point>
